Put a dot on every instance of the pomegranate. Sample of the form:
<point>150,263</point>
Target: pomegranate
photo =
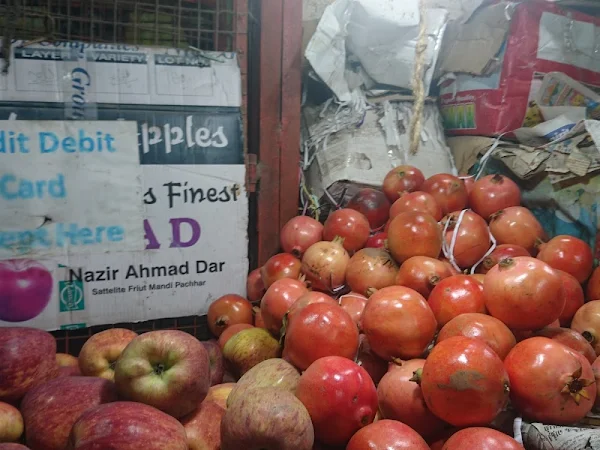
<point>464,382</point>
<point>586,321</point>
<point>277,301</point>
<point>467,241</point>
<point>456,295</point>
<point>448,191</point>
<point>571,339</point>
<point>498,254</point>
<point>354,304</point>
<point>469,182</point>
<point>481,438</point>
<point>324,265</point>
<point>492,193</point>
<point>370,269</point>
<point>524,293</point>
<point>350,225</point>
<point>452,269</point>
<point>422,274</point>
<point>480,326</point>
<point>378,240</point>
<point>340,398</point>
<point>518,226</point>
<point>402,179</point>
<point>569,254</point>
<point>549,382</point>
<point>574,298</point>
<point>387,435</point>
<point>479,277</point>
<point>417,202</point>
<point>398,323</point>
<point>299,233</point>
<point>255,288</point>
<point>373,204</point>
<point>319,330</point>
<point>258,320</point>
<point>592,291</point>
<point>400,398</point>
<point>414,234</point>
<point>308,299</point>
<point>228,310</point>
<point>282,265</point>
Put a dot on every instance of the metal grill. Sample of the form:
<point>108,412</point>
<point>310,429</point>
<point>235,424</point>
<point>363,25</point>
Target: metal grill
<point>213,25</point>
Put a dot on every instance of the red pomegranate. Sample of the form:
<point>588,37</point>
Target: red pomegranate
<point>498,254</point>
<point>373,204</point>
<point>569,254</point>
<point>592,291</point>
<point>378,240</point>
<point>414,234</point>
<point>422,274</point>
<point>387,435</point>
<point>400,398</point>
<point>350,225</point>
<point>255,288</point>
<point>282,265</point>
<point>571,339</point>
<point>368,360</point>
<point>518,226</point>
<point>299,233</point>
<point>492,193</point>
<point>524,293</point>
<point>466,237</point>
<point>277,301</point>
<point>549,382</point>
<point>308,299</point>
<point>340,398</point>
<point>230,309</point>
<point>480,326</point>
<point>456,295</point>
<point>448,191</point>
<point>481,438</point>
<point>402,179</point>
<point>574,298</point>
<point>417,202</point>
<point>354,304</point>
<point>586,321</point>
<point>464,382</point>
<point>398,323</point>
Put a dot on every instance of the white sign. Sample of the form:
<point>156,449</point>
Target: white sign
<point>69,188</point>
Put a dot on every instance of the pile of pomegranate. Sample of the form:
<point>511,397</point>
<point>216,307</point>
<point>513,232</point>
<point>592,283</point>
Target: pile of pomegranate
<point>420,312</point>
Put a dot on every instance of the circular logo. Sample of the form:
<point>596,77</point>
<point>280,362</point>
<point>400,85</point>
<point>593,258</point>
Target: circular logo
<point>71,296</point>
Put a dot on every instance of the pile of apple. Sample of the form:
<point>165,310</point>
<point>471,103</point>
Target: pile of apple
<point>423,316</point>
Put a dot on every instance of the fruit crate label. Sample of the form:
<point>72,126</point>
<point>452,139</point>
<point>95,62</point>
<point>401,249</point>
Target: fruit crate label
<point>185,110</point>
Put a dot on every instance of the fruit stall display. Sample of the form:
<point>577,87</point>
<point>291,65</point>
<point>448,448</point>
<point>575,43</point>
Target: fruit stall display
<point>412,318</point>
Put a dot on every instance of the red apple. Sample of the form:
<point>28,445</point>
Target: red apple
<point>167,369</point>
<point>340,397</point>
<point>127,426</point>
<point>99,354</point>
<point>11,423</point>
<point>28,358</point>
<point>203,427</point>
<point>219,394</point>
<point>68,365</point>
<point>217,362</point>
<point>13,447</point>
<point>51,409</point>
<point>25,289</point>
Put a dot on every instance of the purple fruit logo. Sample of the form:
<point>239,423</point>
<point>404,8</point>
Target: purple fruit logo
<point>25,289</point>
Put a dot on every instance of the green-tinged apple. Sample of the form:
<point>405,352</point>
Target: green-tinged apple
<point>11,423</point>
<point>203,427</point>
<point>248,348</point>
<point>28,359</point>
<point>68,365</point>
<point>219,394</point>
<point>267,419</point>
<point>127,426</point>
<point>100,352</point>
<point>217,362</point>
<point>167,369</point>
<point>50,410</point>
<point>274,372</point>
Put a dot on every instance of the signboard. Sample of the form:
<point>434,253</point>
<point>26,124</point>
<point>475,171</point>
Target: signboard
<point>194,209</point>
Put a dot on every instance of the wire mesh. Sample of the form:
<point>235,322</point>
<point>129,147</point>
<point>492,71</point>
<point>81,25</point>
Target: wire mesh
<point>212,25</point>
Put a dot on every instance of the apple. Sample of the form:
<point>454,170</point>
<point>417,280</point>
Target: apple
<point>127,425</point>
<point>100,352</point>
<point>219,394</point>
<point>11,423</point>
<point>167,369</point>
<point>231,331</point>
<point>13,447</point>
<point>51,409</point>
<point>249,347</point>
<point>203,426</point>
<point>274,372</point>
<point>266,418</point>
<point>25,289</point>
<point>28,358</point>
<point>68,365</point>
<point>217,362</point>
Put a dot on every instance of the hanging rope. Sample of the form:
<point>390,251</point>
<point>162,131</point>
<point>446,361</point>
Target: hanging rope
<point>418,85</point>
